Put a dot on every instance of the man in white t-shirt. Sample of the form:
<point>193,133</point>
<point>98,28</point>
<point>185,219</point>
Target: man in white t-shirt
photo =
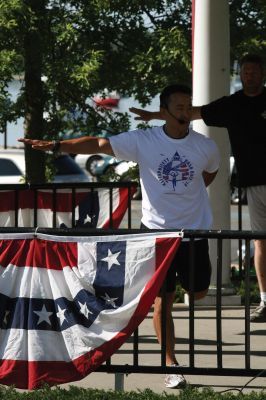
<point>176,164</point>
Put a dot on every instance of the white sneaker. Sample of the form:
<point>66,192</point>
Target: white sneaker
<point>174,381</point>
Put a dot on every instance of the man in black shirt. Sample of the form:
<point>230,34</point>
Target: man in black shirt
<point>244,115</point>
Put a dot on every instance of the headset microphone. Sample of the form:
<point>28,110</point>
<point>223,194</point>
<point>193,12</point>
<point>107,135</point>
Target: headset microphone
<point>180,120</point>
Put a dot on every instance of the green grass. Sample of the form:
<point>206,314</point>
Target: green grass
<point>75,393</point>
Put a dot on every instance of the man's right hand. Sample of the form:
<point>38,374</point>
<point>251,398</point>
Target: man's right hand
<point>144,115</point>
<point>43,145</point>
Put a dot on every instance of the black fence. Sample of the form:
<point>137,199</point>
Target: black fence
<point>245,354</point>
<point>13,195</point>
<point>134,364</point>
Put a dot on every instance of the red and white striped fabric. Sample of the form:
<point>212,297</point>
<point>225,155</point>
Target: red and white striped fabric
<point>67,304</point>
<point>91,209</point>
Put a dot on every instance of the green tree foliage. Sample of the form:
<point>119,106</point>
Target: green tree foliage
<point>247,27</point>
<point>88,46</point>
<point>67,51</point>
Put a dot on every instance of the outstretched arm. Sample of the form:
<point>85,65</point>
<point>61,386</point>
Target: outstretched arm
<point>143,115</point>
<point>83,145</point>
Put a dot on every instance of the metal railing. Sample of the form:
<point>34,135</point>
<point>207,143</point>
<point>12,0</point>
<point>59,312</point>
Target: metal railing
<point>21,191</point>
<point>159,367</point>
<point>218,369</point>
<point>135,366</point>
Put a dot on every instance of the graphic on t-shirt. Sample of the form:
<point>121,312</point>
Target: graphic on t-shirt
<point>175,170</point>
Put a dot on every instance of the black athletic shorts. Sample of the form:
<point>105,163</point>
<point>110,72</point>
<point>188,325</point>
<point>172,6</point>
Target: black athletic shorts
<point>179,268</point>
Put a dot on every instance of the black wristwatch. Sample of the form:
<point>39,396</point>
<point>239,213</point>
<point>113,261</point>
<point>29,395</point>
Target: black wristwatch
<point>56,146</point>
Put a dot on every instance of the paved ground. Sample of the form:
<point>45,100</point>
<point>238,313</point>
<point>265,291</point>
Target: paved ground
<point>233,341</point>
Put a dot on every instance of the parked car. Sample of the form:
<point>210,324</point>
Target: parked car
<point>97,164</point>
<point>104,167</point>
<point>12,168</point>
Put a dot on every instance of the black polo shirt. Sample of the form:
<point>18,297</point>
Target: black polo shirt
<point>245,119</point>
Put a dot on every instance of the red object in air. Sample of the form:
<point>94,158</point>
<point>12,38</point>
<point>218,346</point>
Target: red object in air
<point>106,101</point>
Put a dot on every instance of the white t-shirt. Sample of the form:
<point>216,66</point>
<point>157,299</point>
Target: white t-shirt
<point>174,195</point>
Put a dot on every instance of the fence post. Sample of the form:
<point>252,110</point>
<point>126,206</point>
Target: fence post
<point>119,381</point>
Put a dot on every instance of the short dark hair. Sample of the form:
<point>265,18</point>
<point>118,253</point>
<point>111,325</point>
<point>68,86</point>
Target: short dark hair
<point>171,89</point>
<point>252,58</point>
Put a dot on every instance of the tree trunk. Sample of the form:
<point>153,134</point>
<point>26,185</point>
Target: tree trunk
<point>33,123</point>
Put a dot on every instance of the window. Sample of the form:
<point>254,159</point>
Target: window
<point>65,165</point>
<point>7,167</point>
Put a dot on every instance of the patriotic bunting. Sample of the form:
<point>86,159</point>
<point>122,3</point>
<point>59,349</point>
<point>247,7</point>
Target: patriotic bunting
<point>91,208</point>
<point>68,303</point>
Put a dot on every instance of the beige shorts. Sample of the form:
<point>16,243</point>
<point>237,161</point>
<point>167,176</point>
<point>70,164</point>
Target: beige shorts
<point>256,196</point>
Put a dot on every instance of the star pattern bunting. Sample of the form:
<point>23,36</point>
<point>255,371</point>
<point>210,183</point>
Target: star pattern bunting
<point>73,301</point>
<point>92,208</point>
